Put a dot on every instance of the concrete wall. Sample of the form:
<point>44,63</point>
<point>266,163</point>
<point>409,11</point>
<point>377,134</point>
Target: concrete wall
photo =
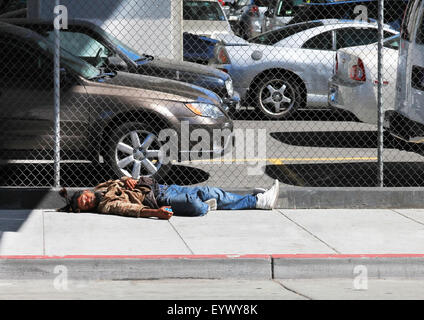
<point>149,26</point>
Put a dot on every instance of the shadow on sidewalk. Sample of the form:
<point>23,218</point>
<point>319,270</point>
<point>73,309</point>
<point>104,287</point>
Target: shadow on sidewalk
<point>12,221</point>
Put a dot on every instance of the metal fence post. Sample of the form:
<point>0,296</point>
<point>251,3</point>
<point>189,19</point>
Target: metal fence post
<point>379,95</point>
<point>56,103</point>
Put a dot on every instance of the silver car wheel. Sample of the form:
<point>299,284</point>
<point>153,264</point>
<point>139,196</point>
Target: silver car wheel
<point>138,154</point>
<point>277,97</point>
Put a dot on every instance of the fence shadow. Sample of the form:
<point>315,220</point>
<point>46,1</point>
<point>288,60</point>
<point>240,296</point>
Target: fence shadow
<point>299,115</point>
<point>337,139</point>
<point>365,174</point>
<point>85,175</point>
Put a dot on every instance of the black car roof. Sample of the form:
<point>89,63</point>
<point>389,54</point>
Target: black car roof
<point>7,28</point>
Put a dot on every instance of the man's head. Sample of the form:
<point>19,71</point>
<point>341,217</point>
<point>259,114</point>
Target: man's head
<point>80,201</point>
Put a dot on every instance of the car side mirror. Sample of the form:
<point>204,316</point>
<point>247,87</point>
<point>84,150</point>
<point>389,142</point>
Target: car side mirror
<point>116,63</point>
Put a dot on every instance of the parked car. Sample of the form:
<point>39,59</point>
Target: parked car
<point>364,10</point>
<point>297,35</point>
<point>353,87</point>
<point>407,120</point>
<point>116,55</point>
<point>279,13</point>
<point>280,79</point>
<point>109,114</point>
<point>207,18</point>
<point>246,16</point>
<point>198,49</point>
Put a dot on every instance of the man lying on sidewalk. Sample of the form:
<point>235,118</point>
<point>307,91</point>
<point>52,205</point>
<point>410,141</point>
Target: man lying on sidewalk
<point>145,198</point>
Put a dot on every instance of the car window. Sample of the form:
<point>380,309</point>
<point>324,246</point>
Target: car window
<point>420,31</point>
<point>323,41</point>
<point>392,43</point>
<point>26,66</point>
<point>287,8</point>
<point>80,44</point>
<point>202,10</point>
<point>272,37</point>
<point>351,37</point>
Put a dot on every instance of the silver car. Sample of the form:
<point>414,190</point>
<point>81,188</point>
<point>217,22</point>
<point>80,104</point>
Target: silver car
<point>353,87</point>
<point>246,17</point>
<point>281,75</point>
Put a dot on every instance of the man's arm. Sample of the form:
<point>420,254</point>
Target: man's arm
<point>126,209</point>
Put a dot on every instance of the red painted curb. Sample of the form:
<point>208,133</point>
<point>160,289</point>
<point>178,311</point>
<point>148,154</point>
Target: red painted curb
<point>218,256</point>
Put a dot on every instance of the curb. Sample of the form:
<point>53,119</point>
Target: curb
<point>265,267</point>
<point>289,198</point>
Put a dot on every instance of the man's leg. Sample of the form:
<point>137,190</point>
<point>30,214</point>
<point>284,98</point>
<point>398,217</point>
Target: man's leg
<point>227,200</point>
<point>184,201</point>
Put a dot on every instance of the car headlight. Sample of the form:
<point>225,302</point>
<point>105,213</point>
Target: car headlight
<point>205,110</point>
<point>229,86</point>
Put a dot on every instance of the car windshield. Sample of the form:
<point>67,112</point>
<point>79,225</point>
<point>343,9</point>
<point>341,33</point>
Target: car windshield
<point>392,42</point>
<point>272,37</point>
<point>129,52</point>
<point>203,10</point>
<point>68,60</point>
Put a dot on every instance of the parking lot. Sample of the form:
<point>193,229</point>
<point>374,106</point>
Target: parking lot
<point>330,149</point>
<point>279,139</point>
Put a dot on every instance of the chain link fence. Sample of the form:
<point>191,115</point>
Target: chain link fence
<point>231,94</point>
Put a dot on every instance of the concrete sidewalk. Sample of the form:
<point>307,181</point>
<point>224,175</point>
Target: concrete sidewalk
<point>223,244</point>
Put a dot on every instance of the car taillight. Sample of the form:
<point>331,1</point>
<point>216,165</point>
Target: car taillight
<point>222,56</point>
<point>254,11</point>
<point>357,72</point>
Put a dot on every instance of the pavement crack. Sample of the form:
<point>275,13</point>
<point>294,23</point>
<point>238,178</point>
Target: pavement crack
<point>292,290</point>
<point>306,230</point>
<point>409,218</point>
<point>182,239</point>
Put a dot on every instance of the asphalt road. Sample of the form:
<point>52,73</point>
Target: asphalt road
<point>315,148</point>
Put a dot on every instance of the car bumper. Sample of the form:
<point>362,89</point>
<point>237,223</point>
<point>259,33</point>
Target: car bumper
<point>233,103</point>
<point>357,98</point>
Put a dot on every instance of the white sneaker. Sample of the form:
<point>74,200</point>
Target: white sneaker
<point>268,199</point>
<point>259,190</point>
<point>212,204</point>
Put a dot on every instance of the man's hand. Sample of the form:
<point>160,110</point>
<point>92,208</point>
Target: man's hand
<point>160,213</point>
<point>164,214</point>
<point>131,183</point>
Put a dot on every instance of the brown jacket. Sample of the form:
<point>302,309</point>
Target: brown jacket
<point>117,199</point>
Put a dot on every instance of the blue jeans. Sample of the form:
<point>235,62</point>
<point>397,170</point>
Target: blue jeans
<point>189,201</point>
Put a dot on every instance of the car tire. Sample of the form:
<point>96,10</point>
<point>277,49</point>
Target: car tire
<point>133,150</point>
<point>277,97</point>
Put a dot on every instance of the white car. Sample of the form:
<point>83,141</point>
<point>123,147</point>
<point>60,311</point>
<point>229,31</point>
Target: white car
<point>281,79</point>
<point>354,84</point>
<point>207,18</point>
